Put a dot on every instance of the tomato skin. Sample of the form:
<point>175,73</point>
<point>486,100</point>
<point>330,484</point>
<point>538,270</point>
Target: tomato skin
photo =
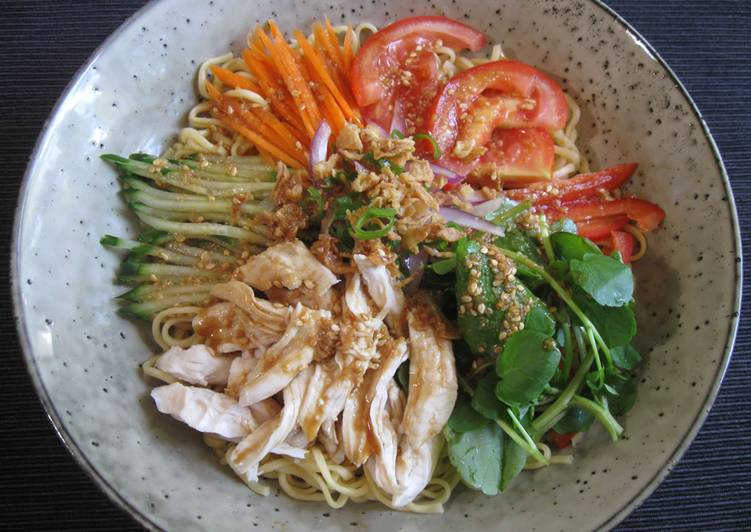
<point>577,187</point>
<point>511,78</point>
<point>519,154</point>
<point>381,57</point>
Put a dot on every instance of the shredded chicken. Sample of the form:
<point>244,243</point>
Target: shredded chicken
<point>195,365</point>
<point>281,362</point>
<point>243,322</point>
<point>246,456</point>
<point>432,374</point>
<point>204,410</point>
<point>292,266</point>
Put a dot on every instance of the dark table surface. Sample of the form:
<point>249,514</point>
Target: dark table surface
<point>42,44</point>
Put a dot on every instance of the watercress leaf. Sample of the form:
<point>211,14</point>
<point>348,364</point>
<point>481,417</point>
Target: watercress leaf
<point>478,456</point>
<point>564,225</point>
<point>522,242</point>
<point>576,419</point>
<point>622,403</point>
<point>539,320</point>
<point>625,357</point>
<point>568,246</point>
<point>484,400</point>
<point>528,362</point>
<point>514,460</point>
<point>608,388</point>
<point>464,418</point>
<point>482,311</point>
<point>607,280</point>
<point>616,325</point>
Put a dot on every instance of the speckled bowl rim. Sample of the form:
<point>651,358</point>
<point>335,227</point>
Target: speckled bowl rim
<point>143,519</point>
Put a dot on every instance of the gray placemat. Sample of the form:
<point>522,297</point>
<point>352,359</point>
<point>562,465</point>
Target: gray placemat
<point>42,44</point>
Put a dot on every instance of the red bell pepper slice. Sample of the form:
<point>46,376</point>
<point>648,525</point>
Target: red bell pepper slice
<point>578,187</point>
<point>600,228</point>
<point>646,214</point>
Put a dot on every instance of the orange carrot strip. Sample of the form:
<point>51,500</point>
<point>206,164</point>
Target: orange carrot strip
<point>319,71</point>
<point>255,138</point>
<point>327,103</point>
<point>292,82</point>
<point>294,145</point>
<point>336,74</point>
<point>322,38</point>
<point>275,134</point>
<point>348,53</point>
<point>275,92</point>
<point>233,80</point>
<point>290,53</point>
<point>334,42</point>
<point>214,93</point>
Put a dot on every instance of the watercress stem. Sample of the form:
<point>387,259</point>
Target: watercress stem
<point>562,293</point>
<point>603,415</point>
<point>545,235</point>
<point>528,446</point>
<point>547,419</point>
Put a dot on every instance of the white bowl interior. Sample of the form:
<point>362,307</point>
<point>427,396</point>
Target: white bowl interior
<point>134,96</point>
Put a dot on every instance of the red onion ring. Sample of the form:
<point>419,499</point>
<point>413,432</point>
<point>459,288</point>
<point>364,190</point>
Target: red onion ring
<point>469,220</point>
<point>319,146</point>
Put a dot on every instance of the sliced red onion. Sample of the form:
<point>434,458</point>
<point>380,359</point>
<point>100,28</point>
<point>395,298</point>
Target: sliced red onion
<point>452,177</point>
<point>481,209</point>
<point>359,167</point>
<point>469,220</point>
<point>397,119</point>
<point>416,266</point>
<point>319,146</point>
<point>381,132</point>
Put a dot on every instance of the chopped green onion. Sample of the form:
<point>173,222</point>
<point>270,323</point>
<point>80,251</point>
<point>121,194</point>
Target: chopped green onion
<point>508,214</point>
<point>374,213</point>
<point>437,153</point>
<point>315,196</point>
<point>396,134</point>
<point>442,267</point>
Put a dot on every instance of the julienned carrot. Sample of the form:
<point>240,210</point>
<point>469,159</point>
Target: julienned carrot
<point>234,80</point>
<point>261,121</point>
<point>274,91</point>
<point>318,70</point>
<point>334,43</point>
<point>294,81</point>
<point>334,113</point>
<point>295,145</point>
<point>332,67</point>
<point>347,52</point>
<point>260,142</point>
<point>322,38</point>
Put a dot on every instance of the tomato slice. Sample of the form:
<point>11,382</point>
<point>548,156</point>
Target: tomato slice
<point>398,62</point>
<point>579,186</point>
<point>517,154</point>
<point>599,228</point>
<point>646,214</point>
<point>521,94</point>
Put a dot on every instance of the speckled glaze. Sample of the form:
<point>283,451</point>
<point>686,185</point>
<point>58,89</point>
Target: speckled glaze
<point>134,94</point>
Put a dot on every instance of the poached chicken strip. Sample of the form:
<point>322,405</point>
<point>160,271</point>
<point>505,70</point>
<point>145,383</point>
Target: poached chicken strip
<point>245,457</point>
<point>414,469</point>
<point>294,351</point>
<point>432,374</point>
<point>204,410</point>
<point>195,365</point>
<point>381,287</point>
<point>243,321</point>
<point>366,428</point>
<point>360,331</point>
<point>291,266</point>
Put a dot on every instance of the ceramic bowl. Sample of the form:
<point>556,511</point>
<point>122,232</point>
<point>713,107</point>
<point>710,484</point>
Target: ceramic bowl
<point>133,94</point>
